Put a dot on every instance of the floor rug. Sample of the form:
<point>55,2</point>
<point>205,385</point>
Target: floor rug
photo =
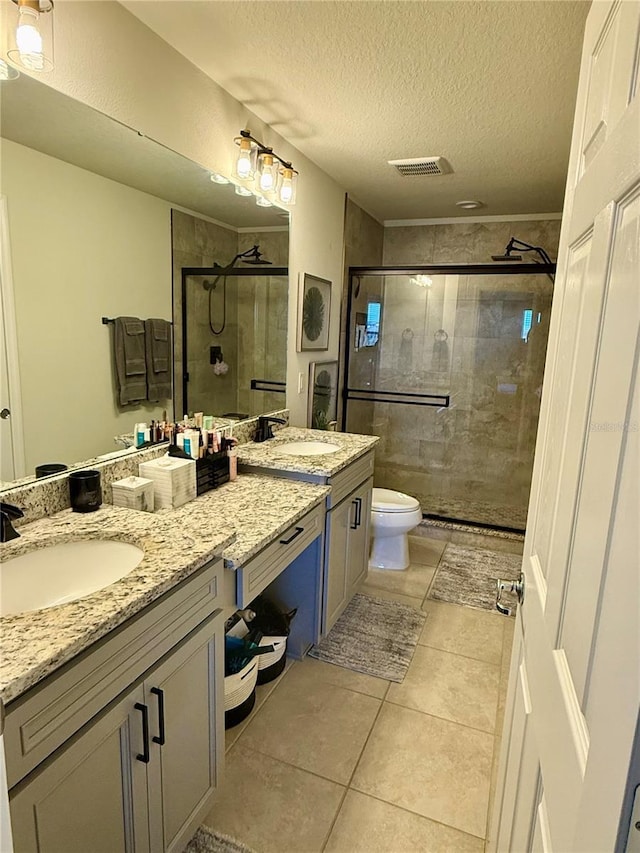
<point>468,576</point>
<point>209,841</point>
<point>374,636</point>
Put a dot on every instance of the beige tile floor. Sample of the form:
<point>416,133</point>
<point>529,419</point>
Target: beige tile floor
<point>333,760</point>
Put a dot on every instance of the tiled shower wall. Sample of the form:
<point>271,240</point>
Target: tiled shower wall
<point>199,243</point>
<point>472,461</point>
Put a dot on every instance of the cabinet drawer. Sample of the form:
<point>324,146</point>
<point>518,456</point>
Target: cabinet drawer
<point>258,573</point>
<point>50,713</point>
<point>350,478</point>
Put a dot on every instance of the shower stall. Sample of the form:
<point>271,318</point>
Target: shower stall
<point>445,363</point>
<point>233,347</point>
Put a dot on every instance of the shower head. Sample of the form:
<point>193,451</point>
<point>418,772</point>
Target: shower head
<point>506,257</point>
<point>254,257</point>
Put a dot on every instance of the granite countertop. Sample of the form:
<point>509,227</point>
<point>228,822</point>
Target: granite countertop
<point>34,644</point>
<point>258,507</point>
<point>237,521</point>
<point>265,454</point>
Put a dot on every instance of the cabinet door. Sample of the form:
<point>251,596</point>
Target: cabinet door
<point>186,709</point>
<point>358,549</point>
<point>93,795</point>
<point>339,520</point>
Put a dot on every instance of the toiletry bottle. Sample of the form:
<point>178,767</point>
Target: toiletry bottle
<point>141,434</point>
<point>232,453</point>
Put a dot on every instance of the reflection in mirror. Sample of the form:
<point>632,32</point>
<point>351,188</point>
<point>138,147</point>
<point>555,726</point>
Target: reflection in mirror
<point>87,232</point>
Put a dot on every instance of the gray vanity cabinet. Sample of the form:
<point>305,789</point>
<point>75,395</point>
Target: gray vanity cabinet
<point>347,553</point>
<point>92,796</point>
<point>138,776</point>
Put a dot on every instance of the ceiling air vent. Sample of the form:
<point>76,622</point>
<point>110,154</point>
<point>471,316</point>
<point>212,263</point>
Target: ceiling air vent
<point>422,166</point>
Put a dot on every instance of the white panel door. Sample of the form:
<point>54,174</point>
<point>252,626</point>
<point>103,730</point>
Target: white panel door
<point>574,690</point>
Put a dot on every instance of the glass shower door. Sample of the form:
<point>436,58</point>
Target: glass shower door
<point>447,370</point>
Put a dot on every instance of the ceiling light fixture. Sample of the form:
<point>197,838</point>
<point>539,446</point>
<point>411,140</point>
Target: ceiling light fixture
<point>32,45</point>
<point>272,175</point>
<point>469,204</point>
<point>421,280</point>
<point>219,179</point>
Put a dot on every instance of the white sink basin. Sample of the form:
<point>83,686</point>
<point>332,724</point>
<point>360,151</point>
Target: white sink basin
<point>62,573</point>
<point>307,448</point>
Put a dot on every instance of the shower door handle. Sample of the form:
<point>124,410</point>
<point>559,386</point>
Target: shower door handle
<point>516,587</point>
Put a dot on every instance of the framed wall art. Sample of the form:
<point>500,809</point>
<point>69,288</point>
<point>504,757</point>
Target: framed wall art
<point>323,395</point>
<point>315,309</point>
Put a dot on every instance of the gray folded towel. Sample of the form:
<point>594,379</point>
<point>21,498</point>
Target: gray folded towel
<point>158,338</point>
<point>131,365</point>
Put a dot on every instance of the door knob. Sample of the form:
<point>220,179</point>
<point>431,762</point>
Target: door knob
<point>5,413</point>
<point>516,587</point>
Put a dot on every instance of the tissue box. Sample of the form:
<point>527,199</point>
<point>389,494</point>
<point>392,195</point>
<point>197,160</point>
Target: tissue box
<point>134,493</point>
<point>174,480</point>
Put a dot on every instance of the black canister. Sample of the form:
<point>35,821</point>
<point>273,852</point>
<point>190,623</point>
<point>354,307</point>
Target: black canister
<point>85,491</point>
<point>50,468</point>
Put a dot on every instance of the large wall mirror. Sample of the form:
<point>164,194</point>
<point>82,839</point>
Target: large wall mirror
<point>100,221</point>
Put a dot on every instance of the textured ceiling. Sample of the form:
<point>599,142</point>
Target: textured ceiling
<point>39,117</point>
<point>488,84</point>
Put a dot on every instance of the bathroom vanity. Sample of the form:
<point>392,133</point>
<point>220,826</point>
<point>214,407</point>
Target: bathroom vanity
<point>113,709</point>
<point>347,468</point>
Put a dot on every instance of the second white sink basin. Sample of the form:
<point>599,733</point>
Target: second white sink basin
<point>65,572</point>
<point>307,448</point>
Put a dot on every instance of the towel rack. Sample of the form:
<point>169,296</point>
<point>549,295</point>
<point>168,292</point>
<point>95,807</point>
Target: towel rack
<point>109,321</point>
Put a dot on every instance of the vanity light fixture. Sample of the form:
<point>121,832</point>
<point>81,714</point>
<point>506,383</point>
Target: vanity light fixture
<point>261,201</point>
<point>219,179</point>
<point>243,191</point>
<point>271,174</point>
<point>32,45</point>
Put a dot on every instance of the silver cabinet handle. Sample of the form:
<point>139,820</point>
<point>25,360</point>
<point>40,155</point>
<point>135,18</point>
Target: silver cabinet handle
<point>516,587</point>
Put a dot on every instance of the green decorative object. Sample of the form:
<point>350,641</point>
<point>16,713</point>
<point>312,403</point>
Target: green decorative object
<point>322,412</point>
<point>313,313</point>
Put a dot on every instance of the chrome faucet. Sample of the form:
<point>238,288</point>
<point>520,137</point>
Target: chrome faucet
<point>9,513</point>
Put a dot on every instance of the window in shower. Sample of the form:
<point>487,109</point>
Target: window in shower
<point>453,384</point>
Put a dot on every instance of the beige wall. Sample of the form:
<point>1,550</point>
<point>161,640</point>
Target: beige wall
<point>82,247</point>
<point>107,59</point>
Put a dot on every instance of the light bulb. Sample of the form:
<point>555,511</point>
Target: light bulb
<point>286,191</point>
<point>243,164</point>
<point>29,40</point>
<point>267,173</point>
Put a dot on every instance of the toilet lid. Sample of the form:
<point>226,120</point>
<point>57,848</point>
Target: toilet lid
<point>387,500</point>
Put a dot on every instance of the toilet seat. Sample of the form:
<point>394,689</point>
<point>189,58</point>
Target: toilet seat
<point>388,500</point>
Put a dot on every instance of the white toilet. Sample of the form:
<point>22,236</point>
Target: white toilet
<point>393,515</point>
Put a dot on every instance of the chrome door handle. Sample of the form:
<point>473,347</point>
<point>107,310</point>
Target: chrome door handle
<point>516,587</point>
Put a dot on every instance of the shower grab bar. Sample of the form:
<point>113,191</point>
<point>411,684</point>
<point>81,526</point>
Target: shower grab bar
<point>375,396</point>
<point>274,386</point>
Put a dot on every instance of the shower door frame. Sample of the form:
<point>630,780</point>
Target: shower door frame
<point>431,400</point>
<point>214,271</point>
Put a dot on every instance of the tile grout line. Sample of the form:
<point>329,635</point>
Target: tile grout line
<point>353,773</point>
<point>460,655</point>
<point>444,719</point>
<point>416,814</point>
